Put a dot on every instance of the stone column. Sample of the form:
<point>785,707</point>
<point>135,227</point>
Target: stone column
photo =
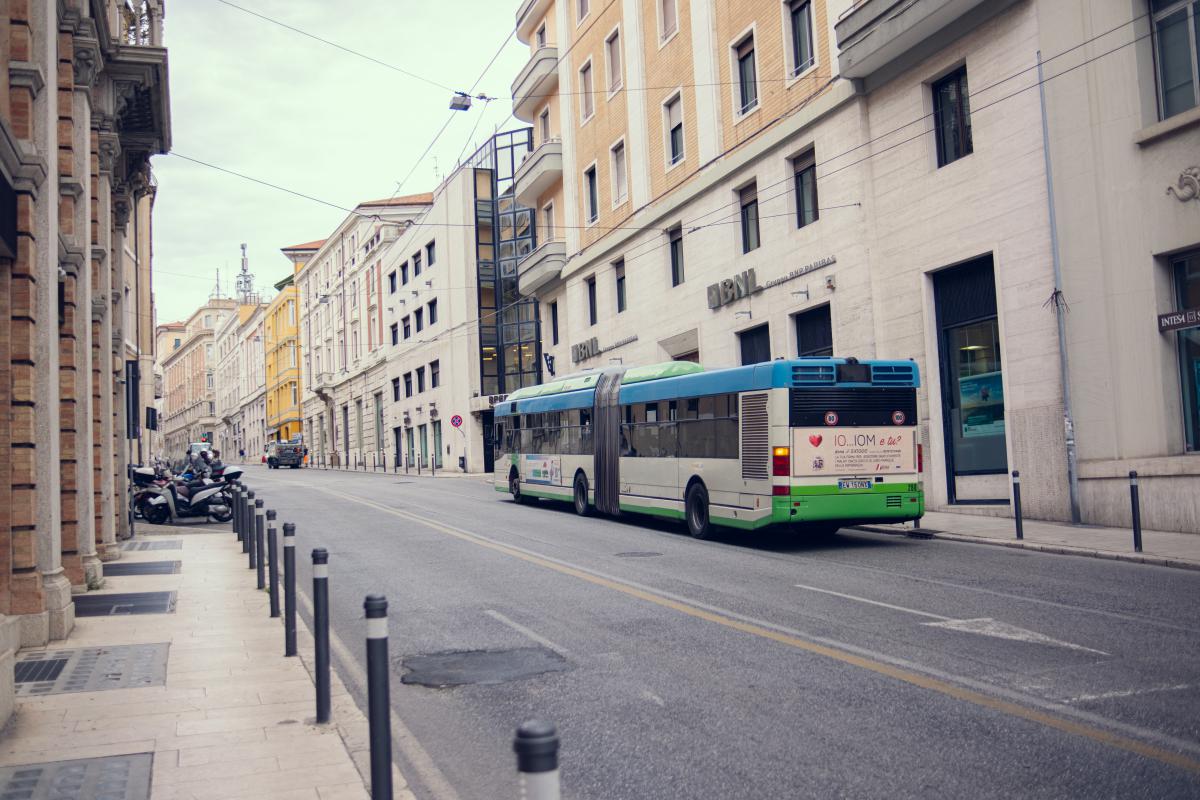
<point>122,205</point>
<point>107,150</point>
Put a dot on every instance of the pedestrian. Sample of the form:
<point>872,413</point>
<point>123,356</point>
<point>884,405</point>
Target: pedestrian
<point>242,454</point>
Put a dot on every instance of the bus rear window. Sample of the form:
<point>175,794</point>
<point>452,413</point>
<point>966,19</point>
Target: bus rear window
<point>854,373</point>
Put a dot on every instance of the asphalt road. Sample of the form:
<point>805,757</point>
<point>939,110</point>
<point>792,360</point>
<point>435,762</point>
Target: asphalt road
<point>760,667</point>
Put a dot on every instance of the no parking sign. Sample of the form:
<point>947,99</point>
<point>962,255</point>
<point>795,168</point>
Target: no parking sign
<point>456,421</point>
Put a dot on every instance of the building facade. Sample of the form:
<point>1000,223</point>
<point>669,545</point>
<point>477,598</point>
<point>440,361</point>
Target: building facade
<point>189,380</point>
<point>284,411</point>
<point>83,108</point>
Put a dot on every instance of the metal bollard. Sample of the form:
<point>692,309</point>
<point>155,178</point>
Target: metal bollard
<point>1136,504</point>
<point>1016,476</point>
<point>239,512</point>
<point>289,589</point>
<point>260,560</point>
<point>374,462</point>
<point>536,746</point>
<point>320,566</point>
<point>246,537</point>
<point>236,509</point>
<point>379,703</point>
<point>249,542</point>
<point>273,562</point>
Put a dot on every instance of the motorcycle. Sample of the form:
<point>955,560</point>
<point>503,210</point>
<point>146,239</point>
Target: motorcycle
<point>192,498</point>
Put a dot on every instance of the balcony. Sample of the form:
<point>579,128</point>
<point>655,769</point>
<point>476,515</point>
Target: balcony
<point>538,79</point>
<point>875,33</point>
<point>529,15</point>
<point>538,172</point>
<point>541,267</point>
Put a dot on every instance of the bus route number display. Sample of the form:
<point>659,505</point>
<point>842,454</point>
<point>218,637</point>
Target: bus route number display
<point>853,451</point>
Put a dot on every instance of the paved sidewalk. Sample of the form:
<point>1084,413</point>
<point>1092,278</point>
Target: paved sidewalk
<point>1158,547</point>
<point>229,716</point>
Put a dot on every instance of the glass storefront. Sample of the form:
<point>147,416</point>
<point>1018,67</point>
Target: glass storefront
<point>1186,270</point>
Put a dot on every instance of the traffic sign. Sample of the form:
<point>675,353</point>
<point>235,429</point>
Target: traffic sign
<point>456,421</point>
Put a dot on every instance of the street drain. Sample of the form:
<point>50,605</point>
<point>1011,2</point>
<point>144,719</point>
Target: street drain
<point>487,667</point>
<point>117,569</point>
<point>109,778</point>
<point>91,669</point>
<point>122,603</point>
<point>638,554</point>
<point>171,544</point>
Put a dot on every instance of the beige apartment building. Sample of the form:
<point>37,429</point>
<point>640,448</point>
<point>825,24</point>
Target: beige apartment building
<point>874,179</point>
<point>189,380</point>
<point>240,382</point>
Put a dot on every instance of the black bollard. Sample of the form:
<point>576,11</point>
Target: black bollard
<point>374,462</point>
<point>1136,504</point>
<point>536,746</point>
<point>246,537</point>
<point>260,560</point>
<point>320,567</point>
<point>236,492</point>
<point>1016,476</point>
<point>289,589</point>
<point>249,549</point>
<point>273,562</point>
<point>379,702</point>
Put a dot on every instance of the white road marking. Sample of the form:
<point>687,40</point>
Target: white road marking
<point>1084,698</point>
<point>858,599</point>
<point>521,629</point>
<point>985,626</point>
<point>653,698</point>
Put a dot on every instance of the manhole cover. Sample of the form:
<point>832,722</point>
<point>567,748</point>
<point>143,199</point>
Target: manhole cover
<point>464,667</point>
<point>91,669</point>
<point>638,554</point>
<point>117,569</point>
<point>111,778</point>
<point>170,544</point>
<point>120,604</point>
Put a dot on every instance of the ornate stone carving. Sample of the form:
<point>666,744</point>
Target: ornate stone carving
<point>121,207</point>
<point>85,63</point>
<point>109,148</point>
<point>1187,187</point>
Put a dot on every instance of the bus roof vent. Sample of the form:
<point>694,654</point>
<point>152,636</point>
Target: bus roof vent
<point>812,374</point>
<point>892,374</point>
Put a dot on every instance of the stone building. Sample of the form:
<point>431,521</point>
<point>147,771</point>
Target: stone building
<point>189,380</point>
<point>284,411</point>
<point>83,108</point>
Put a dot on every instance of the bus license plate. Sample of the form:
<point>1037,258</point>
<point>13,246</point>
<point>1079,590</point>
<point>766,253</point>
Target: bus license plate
<point>855,484</point>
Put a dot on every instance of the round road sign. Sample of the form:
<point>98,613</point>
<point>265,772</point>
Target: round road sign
<point>456,421</point>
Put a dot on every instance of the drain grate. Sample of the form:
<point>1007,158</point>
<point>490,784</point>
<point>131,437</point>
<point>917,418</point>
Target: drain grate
<point>110,778</point>
<point>167,544</point>
<point>464,667</point>
<point>91,669</point>
<point>39,671</point>
<point>638,554</point>
<point>122,603</point>
<point>118,569</point>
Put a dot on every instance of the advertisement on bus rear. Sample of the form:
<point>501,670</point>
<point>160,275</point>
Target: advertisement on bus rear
<point>853,451</point>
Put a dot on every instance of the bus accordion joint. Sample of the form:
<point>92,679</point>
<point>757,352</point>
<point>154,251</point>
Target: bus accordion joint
<point>781,463</point>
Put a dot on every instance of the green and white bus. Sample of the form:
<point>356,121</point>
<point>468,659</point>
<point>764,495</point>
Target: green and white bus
<point>819,443</point>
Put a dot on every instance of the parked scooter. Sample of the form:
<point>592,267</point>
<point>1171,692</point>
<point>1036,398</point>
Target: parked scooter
<point>200,497</point>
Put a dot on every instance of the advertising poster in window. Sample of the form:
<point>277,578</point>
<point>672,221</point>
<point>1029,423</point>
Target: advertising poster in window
<point>547,471</point>
<point>853,451</point>
<point>981,401</point>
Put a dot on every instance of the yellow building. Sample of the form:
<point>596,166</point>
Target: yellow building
<point>282,354</point>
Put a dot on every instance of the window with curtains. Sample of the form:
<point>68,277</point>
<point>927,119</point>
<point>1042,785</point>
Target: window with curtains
<point>673,121</point>
<point>612,53</point>
<point>587,102</point>
<point>800,22</point>
<point>747,77</point>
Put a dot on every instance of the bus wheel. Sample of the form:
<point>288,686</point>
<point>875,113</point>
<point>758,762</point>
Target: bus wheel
<point>696,510</point>
<point>514,486</point>
<point>581,495</point>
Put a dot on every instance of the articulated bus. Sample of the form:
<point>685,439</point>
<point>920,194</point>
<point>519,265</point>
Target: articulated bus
<point>818,443</point>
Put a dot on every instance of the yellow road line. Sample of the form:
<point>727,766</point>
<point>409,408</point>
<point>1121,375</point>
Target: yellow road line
<point>863,662</point>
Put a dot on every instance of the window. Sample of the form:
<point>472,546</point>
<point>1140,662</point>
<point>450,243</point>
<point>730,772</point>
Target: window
<point>612,56</point>
<point>805,168</point>
<point>433,312</point>
<point>554,322</point>
<point>544,124</point>
<point>669,17</point>
<point>408,392</point>
<point>419,319</point>
<point>354,294</point>
<point>392,282</point>
<point>673,115</point>
<point>430,253</point>
<point>404,274</point>
<point>1186,269</point>
<point>619,274</point>
<point>420,379</point>
<point>675,239</point>
<point>541,35</point>
<point>952,117</point>
<point>620,179</point>
<point>407,323</point>
<point>755,345</point>
<point>435,374</point>
<point>587,103</point>
<point>416,262</point>
<point>747,78</point>
<point>395,333</point>
<point>548,222</point>
<point>800,16</point>
<point>748,199</point>
<point>1176,37</point>
<point>591,298</point>
<point>396,389</point>
<point>814,333</point>
<point>581,7</point>
<point>593,202</point>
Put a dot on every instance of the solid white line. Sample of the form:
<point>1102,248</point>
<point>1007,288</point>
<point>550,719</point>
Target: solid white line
<point>519,628</point>
<point>1083,698</point>
<point>858,599</point>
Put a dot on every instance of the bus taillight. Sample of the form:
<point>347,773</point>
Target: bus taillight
<point>920,458</point>
<point>781,462</point>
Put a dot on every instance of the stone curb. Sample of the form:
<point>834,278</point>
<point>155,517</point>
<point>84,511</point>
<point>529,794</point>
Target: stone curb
<point>1135,558</point>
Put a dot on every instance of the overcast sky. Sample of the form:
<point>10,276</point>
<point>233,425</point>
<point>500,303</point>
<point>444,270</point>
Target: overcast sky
<point>264,101</point>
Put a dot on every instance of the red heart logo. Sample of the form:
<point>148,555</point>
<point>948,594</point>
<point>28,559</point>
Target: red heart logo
<point>815,440</point>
